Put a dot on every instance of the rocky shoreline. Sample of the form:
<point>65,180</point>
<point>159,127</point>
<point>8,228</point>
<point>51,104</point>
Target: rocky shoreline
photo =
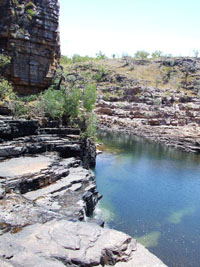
<point>156,99</point>
<point>184,138</point>
<point>47,196</point>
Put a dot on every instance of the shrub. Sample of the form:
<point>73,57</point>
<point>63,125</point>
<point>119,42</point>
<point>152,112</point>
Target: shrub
<point>89,97</point>
<point>157,54</point>
<point>141,55</point>
<point>65,60</point>
<point>20,109</point>
<point>4,60</point>
<point>100,55</point>
<point>71,102</point>
<point>6,90</point>
<point>77,58</point>
<point>52,102</point>
<point>91,126</point>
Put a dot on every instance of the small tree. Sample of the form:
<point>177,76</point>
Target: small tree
<point>141,55</point>
<point>157,54</point>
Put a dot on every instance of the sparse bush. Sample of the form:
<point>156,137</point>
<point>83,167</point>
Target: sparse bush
<point>20,109</point>
<point>141,55</point>
<point>157,54</point>
<point>4,60</point>
<point>6,90</point>
<point>100,55</point>
<point>77,58</point>
<point>65,60</point>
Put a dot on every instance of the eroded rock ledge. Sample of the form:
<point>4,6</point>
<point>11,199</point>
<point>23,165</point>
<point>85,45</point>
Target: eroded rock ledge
<point>46,196</point>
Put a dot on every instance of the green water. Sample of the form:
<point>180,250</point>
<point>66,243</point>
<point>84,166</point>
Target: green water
<point>152,193</point>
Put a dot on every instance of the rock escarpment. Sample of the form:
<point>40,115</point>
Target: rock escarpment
<point>29,35</point>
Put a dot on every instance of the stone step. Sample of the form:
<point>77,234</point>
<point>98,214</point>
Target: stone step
<point>59,131</point>
<point>64,183</point>
<point>37,180</point>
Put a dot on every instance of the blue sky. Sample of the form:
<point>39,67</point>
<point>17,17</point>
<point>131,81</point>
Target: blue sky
<point>125,26</point>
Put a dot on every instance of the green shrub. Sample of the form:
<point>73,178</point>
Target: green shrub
<point>65,60</point>
<point>20,109</point>
<point>141,55</point>
<point>91,126</point>
<point>4,60</point>
<point>157,54</point>
<point>6,90</point>
<point>100,55</point>
<point>71,102</point>
<point>77,58</point>
<point>52,102</point>
<point>89,97</point>
<point>30,98</point>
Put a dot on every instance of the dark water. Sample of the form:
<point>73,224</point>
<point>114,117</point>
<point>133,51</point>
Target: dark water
<point>152,193</point>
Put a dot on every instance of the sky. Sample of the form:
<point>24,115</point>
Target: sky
<point>123,27</point>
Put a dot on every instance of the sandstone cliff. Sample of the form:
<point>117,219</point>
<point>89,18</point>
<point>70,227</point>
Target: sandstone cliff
<point>29,34</point>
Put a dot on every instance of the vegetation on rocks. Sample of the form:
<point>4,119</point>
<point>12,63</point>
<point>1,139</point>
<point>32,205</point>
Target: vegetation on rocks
<point>62,101</point>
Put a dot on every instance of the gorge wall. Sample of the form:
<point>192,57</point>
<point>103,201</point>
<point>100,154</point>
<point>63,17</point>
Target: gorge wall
<point>29,35</point>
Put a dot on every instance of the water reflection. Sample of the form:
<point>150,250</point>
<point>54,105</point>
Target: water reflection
<point>152,192</point>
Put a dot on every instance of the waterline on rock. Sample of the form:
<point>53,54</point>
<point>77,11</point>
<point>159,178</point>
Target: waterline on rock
<point>103,213</point>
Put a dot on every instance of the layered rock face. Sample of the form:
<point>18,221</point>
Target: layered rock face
<point>29,34</point>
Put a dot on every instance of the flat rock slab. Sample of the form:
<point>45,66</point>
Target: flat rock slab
<point>23,165</point>
<point>59,243</point>
<point>17,211</point>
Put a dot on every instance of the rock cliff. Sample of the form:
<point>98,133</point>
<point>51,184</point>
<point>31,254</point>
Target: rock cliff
<point>29,34</point>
